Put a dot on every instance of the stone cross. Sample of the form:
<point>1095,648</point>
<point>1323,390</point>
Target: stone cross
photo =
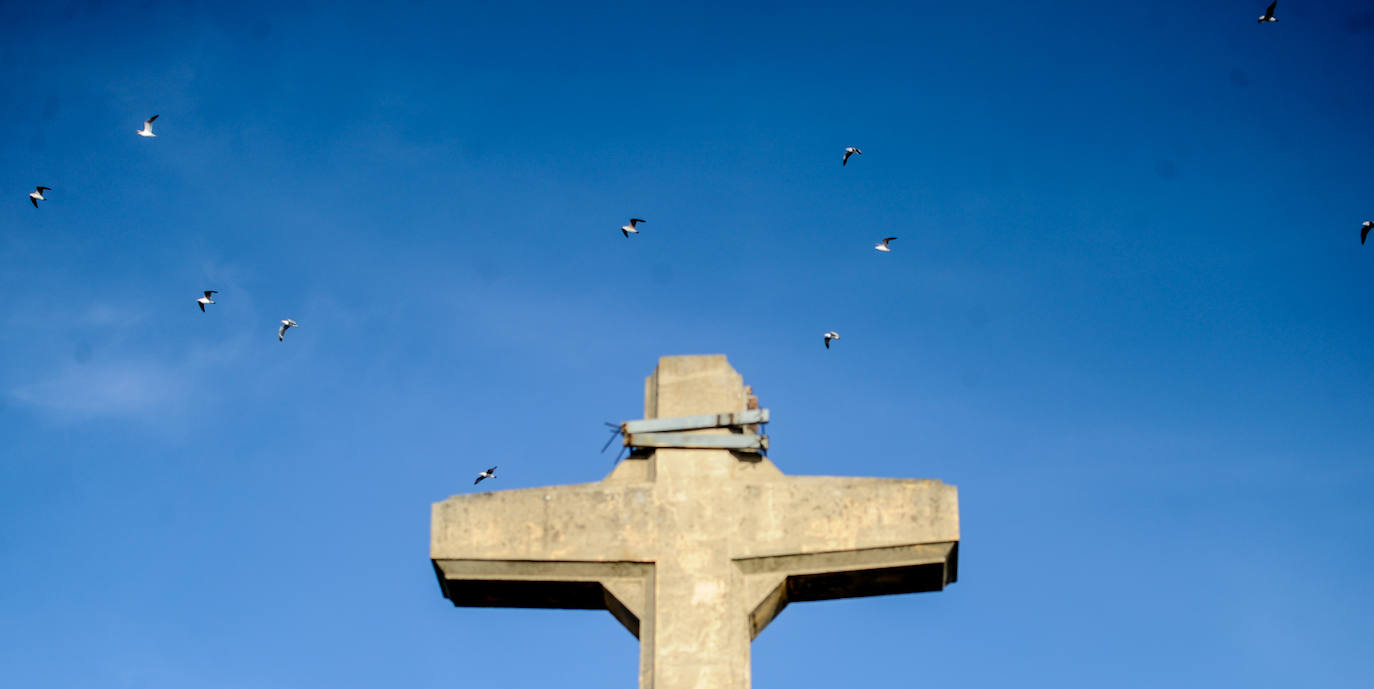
<point>695,551</point>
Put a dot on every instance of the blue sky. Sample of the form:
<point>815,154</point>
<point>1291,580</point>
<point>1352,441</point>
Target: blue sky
<point>1128,315</point>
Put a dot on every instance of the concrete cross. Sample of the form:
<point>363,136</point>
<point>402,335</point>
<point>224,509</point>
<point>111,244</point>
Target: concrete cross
<point>695,551</point>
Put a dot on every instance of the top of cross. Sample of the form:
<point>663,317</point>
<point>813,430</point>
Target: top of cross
<point>695,550</point>
<point>689,386</point>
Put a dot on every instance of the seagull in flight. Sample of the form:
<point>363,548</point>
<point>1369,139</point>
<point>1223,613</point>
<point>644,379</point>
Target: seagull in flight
<point>147,129</point>
<point>883,245</point>
<point>285,326</point>
<point>36,196</point>
<point>489,473</point>
<point>206,299</point>
<point>849,151</point>
<point>1269,13</point>
<point>832,335</point>
<point>628,230</point>
<point>1365,227</point>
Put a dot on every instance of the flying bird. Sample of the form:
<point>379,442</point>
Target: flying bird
<point>285,326</point>
<point>36,196</point>
<point>489,473</point>
<point>147,129</point>
<point>883,245</point>
<point>206,299</point>
<point>849,151</point>
<point>1269,13</point>
<point>628,230</point>
<point>1365,227</point>
<point>832,335</point>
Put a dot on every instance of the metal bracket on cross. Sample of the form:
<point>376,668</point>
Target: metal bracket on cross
<point>660,432</point>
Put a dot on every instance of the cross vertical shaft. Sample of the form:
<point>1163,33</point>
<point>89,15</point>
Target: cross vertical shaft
<point>694,645</point>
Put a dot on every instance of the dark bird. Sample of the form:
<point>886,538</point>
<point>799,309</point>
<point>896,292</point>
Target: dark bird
<point>849,151</point>
<point>206,299</point>
<point>1364,230</point>
<point>1269,13</point>
<point>489,473</point>
<point>36,196</point>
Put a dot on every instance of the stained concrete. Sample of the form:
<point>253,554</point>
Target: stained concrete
<point>695,551</point>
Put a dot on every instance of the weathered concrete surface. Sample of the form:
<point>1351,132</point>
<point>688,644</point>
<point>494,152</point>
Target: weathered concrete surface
<point>695,551</point>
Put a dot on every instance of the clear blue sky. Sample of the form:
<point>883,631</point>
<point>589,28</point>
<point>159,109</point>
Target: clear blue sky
<point>1128,315</point>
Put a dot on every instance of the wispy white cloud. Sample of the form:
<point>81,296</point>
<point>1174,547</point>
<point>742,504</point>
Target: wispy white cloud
<point>105,315</point>
<point>120,377</point>
<point>119,388</point>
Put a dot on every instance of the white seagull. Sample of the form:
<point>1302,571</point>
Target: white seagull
<point>628,230</point>
<point>489,473</point>
<point>1365,227</point>
<point>36,196</point>
<point>883,245</point>
<point>1269,13</point>
<point>849,151</point>
<point>832,335</point>
<point>147,129</point>
<point>206,299</point>
<point>285,326</point>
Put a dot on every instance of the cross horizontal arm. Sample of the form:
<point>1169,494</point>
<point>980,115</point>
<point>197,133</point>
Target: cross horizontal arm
<point>562,523</point>
<point>815,514</point>
<point>546,548</point>
<point>820,538</point>
<point>776,581</point>
<point>619,587</point>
